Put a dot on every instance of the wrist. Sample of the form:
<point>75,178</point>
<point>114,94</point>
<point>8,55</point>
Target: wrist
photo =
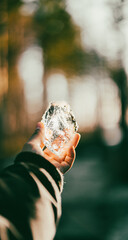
<point>30,158</point>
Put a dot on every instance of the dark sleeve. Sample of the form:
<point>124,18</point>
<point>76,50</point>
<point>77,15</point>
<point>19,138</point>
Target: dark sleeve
<point>30,199</point>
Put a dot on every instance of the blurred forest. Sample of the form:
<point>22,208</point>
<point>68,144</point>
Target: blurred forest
<point>75,51</point>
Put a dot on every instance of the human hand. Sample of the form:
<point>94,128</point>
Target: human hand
<point>63,162</point>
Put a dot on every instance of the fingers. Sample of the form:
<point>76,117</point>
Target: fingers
<point>68,162</point>
<point>71,154</point>
<point>51,159</point>
<point>70,150</point>
<point>46,156</point>
<point>69,159</point>
<point>53,156</point>
<point>66,151</point>
<point>63,163</point>
<point>75,140</point>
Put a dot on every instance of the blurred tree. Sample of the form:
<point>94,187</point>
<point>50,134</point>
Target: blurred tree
<point>60,40</point>
<point>118,72</point>
<point>12,107</point>
<point>120,78</point>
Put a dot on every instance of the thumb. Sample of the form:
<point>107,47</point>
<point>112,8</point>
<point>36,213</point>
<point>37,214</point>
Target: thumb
<point>37,136</point>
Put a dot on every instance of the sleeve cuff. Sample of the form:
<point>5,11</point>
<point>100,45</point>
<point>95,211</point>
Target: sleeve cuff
<point>40,162</point>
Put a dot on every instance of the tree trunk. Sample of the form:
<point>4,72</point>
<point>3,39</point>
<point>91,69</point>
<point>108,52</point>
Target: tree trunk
<point>120,78</point>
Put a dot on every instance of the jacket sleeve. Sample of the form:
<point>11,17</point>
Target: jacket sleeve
<point>30,199</point>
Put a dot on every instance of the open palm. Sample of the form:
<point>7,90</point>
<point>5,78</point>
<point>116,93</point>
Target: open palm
<point>63,162</point>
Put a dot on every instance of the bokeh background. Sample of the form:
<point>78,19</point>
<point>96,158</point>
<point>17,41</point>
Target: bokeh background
<point>77,51</point>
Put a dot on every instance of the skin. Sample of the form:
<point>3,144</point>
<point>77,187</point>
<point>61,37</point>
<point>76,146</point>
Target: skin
<point>64,162</point>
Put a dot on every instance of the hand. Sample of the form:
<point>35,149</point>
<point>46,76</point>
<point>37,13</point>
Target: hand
<point>63,162</point>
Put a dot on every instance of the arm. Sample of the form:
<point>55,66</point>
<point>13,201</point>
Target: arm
<point>31,189</point>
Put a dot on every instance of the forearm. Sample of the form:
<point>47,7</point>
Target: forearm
<point>35,196</point>
<point>30,190</point>
<point>49,180</point>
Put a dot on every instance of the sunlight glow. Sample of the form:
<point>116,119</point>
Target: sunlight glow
<point>112,136</point>
<point>110,112</point>
<point>84,102</point>
<point>31,71</point>
<point>97,24</point>
<point>110,106</point>
<point>28,9</point>
<point>57,87</point>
